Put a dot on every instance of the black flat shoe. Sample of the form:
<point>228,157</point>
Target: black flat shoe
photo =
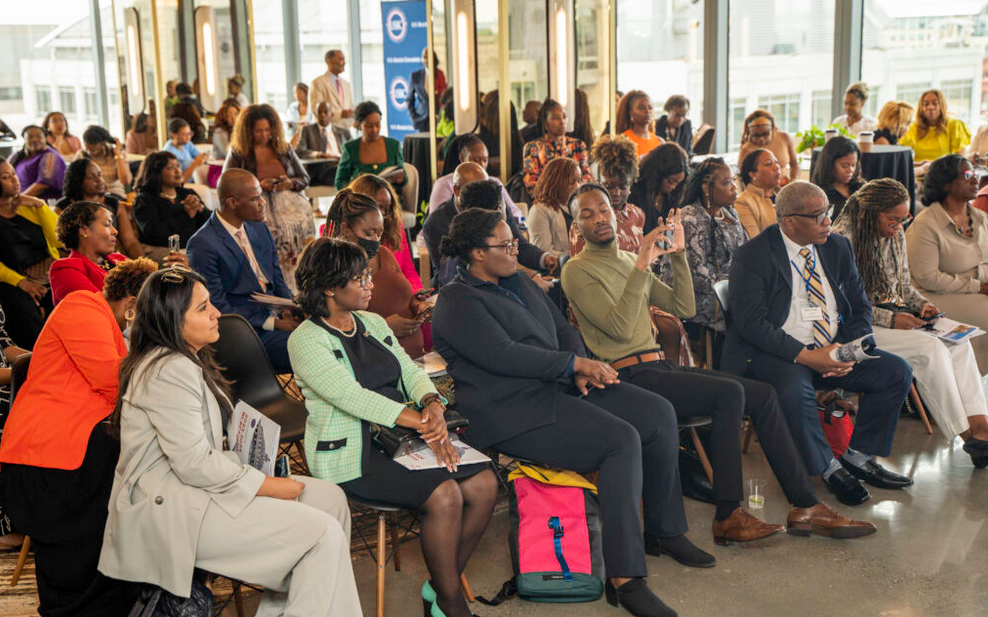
<point>637,599</point>
<point>848,491</point>
<point>680,549</point>
<point>876,475</point>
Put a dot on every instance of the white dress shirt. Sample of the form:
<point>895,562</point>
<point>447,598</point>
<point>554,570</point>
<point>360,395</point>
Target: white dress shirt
<point>269,322</point>
<point>795,326</point>
<point>442,190</point>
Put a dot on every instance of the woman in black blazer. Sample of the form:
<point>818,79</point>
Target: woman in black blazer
<point>525,383</point>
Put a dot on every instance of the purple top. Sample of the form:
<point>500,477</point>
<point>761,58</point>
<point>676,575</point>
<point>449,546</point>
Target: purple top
<point>46,167</point>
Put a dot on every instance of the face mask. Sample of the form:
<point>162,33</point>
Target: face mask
<point>371,247</point>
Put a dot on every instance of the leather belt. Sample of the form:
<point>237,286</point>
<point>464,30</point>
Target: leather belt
<point>635,359</point>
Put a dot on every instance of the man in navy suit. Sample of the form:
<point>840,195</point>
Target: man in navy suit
<point>235,253</point>
<point>418,96</point>
<point>795,295</point>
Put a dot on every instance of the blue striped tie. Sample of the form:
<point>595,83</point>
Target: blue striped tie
<point>814,292</point>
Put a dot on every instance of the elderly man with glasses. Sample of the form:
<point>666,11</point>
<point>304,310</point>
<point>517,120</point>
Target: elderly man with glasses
<point>795,296</point>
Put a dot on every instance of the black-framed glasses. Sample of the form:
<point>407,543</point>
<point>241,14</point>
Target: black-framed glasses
<point>176,274</point>
<point>510,247</point>
<point>364,278</point>
<point>896,222</point>
<point>819,217</point>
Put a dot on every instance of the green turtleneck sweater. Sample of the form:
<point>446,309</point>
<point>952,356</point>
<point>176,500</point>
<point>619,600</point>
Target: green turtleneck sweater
<point>610,298</point>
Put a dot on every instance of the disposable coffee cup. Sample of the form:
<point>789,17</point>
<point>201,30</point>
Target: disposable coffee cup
<point>830,134</point>
<point>865,140</point>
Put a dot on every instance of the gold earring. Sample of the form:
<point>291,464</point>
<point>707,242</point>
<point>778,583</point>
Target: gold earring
<point>85,235</point>
<point>130,314</point>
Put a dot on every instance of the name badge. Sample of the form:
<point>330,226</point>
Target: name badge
<point>811,313</point>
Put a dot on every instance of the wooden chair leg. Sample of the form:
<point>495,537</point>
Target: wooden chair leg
<point>709,359</point>
<point>467,592</point>
<point>25,549</point>
<point>382,553</point>
<point>748,432</point>
<point>702,453</point>
<point>238,599</point>
<point>395,545</point>
<point>914,397</point>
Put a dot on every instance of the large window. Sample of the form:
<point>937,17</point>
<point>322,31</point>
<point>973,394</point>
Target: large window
<point>323,25</point>
<point>785,108</point>
<point>529,64</point>
<point>910,47</point>
<point>821,114</point>
<point>66,100</point>
<point>269,46</point>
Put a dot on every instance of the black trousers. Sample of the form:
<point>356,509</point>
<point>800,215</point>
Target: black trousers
<point>629,435</point>
<point>725,398</point>
<point>24,318</point>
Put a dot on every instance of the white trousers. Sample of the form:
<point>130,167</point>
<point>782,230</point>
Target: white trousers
<point>299,551</point>
<point>947,376</point>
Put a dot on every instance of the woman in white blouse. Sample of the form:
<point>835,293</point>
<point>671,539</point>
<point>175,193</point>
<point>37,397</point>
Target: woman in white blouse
<point>548,224</point>
<point>853,118</point>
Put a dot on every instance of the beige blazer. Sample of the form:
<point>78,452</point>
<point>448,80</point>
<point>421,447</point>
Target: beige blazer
<point>171,467</point>
<point>755,209</point>
<point>943,261</point>
<point>323,89</point>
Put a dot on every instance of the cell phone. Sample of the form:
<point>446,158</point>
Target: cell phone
<point>174,243</point>
<point>934,318</point>
<point>282,467</point>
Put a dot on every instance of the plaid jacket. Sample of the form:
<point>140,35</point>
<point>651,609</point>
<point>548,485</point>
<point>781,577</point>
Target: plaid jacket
<point>337,403</point>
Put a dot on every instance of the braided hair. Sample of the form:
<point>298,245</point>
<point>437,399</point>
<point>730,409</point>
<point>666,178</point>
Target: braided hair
<point>348,206</point>
<point>700,179</point>
<point>860,215</point>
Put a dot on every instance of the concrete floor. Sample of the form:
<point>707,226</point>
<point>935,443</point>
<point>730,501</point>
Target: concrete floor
<point>928,559</point>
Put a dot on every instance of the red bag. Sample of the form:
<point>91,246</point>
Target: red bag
<point>837,430</point>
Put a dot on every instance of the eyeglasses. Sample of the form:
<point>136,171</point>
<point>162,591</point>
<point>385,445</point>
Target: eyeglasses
<point>819,217</point>
<point>176,274</point>
<point>364,278</point>
<point>967,174</point>
<point>510,247</point>
<point>896,222</point>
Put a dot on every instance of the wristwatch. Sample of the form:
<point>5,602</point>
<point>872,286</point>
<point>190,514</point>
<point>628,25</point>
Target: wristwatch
<point>432,396</point>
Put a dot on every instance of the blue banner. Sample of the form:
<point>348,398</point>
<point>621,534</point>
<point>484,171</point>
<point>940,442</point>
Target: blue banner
<point>405,36</point>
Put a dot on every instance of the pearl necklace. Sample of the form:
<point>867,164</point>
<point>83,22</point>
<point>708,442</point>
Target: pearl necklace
<point>347,333</point>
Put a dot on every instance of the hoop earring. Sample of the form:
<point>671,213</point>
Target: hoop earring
<point>130,314</point>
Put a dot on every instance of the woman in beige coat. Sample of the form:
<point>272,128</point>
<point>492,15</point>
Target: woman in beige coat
<point>181,502</point>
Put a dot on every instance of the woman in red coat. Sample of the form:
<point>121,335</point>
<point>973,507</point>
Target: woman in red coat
<point>86,228</point>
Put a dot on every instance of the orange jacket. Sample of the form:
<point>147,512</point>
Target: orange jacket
<point>70,387</point>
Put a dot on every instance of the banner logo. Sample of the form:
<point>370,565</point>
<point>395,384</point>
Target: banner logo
<point>399,93</point>
<point>397,25</point>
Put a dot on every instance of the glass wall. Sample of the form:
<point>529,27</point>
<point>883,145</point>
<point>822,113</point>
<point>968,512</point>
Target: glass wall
<point>780,58</point>
<point>592,59</point>
<point>909,48</point>
<point>372,56</point>
<point>529,56</point>
<point>322,26</point>
<point>269,49</point>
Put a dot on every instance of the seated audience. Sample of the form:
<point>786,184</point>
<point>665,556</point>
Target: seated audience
<point>948,247</point>
<point>788,314</point>
<point>356,217</point>
<point>838,172</point>
<point>548,227</point>
<point>191,504</point>
<point>57,135</point>
<point>934,133</point>
<point>610,292</point>
<point>259,146</point>
<point>189,113</point>
<point>235,254</point>
<point>394,236</point>
<point>84,182</point>
<point>351,374</point>
<point>760,175</point>
<point>582,129</point>
<point>86,229</point>
<point>617,165</point>
<point>222,130</point>
<point>634,121</point>
<point>674,126</point>
<point>185,94</point>
<point>39,167</point>
<point>299,113</point>
<point>490,133</point>
<point>661,182</point>
<point>371,153</point>
<point>760,132</point>
<point>57,455</point>
<point>552,144</point>
<point>235,90</point>
<point>321,140</point>
<point>470,149</point>
<point>10,538</point>
<point>947,374</point>
<point>180,145</point>
<point>853,118</point>
<point>28,247</point>
<point>142,138</point>
<point>106,151</point>
<point>524,381</point>
<point>530,116</point>
<point>893,122</point>
<point>163,207</point>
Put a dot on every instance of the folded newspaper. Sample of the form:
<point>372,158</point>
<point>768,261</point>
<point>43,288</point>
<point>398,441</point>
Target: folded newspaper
<point>275,302</point>
<point>424,458</point>
<point>857,350</point>
<point>951,331</point>
<point>253,437</point>
<point>433,364</point>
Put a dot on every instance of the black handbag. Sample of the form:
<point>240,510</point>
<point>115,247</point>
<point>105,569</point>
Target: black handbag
<point>156,602</point>
<point>399,440</point>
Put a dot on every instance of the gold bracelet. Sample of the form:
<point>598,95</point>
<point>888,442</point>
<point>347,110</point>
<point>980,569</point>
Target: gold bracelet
<point>428,398</point>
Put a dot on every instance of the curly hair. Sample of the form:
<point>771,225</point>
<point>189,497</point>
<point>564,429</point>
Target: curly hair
<point>73,218</point>
<point>326,263</point>
<point>483,194</point>
<point>750,165</point>
<point>942,172</point>
<point>371,185</point>
<point>623,114</point>
<point>75,176</point>
<point>242,139</point>
<point>664,161</point>
<point>348,206</point>
<point>150,181</point>
<point>126,278</point>
<point>469,230</point>
<point>839,146</point>
<point>365,109</point>
<point>755,115</point>
<point>551,189</point>
<point>615,156</point>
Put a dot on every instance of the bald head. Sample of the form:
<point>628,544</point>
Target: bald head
<point>241,198</point>
<point>465,173</point>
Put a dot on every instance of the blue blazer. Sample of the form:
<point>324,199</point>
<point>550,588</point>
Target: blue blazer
<point>215,255</point>
<point>760,293</point>
<point>418,102</point>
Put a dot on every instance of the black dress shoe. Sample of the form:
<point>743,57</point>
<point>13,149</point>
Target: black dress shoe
<point>680,549</point>
<point>876,475</point>
<point>637,599</point>
<point>978,450</point>
<point>848,491</point>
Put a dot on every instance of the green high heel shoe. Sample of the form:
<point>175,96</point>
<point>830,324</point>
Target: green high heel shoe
<point>428,599</point>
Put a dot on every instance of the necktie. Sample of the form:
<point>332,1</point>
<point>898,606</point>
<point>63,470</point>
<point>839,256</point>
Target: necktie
<point>242,239</point>
<point>339,89</point>
<point>816,297</point>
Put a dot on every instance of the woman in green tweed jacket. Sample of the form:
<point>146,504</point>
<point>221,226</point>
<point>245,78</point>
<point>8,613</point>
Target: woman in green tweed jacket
<point>353,372</point>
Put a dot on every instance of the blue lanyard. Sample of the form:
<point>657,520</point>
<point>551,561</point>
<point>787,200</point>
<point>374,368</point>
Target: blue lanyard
<point>806,279</point>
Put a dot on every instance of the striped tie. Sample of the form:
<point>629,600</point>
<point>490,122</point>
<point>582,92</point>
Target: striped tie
<point>814,292</point>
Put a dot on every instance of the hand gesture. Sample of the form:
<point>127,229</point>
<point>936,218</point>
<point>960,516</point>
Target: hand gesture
<point>544,283</point>
<point>268,184</point>
<point>193,205</point>
<point>551,263</point>
<point>678,234</point>
<point>446,455</point>
<point>907,321</point>
<point>432,426</point>
<point>928,311</point>
<point>35,290</point>
<point>820,361</point>
<point>199,160</point>
<point>597,374</point>
<point>403,326</point>
<point>172,259</point>
<point>116,147</point>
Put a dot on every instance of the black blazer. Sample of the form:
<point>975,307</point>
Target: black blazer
<point>313,140</point>
<point>157,218</point>
<point>684,134</point>
<point>760,293</point>
<point>509,361</point>
<point>418,102</point>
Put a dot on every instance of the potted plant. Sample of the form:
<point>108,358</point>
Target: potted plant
<point>815,136</point>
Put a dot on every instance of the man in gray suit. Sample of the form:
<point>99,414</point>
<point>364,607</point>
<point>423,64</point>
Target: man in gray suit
<point>322,140</point>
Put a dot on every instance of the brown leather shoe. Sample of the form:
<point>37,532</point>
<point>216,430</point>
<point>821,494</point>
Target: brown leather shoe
<point>742,527</point>
<point>825,521</point>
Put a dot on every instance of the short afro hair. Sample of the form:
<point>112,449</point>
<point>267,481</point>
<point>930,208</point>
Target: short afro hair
<point>326,263</point>
<point>365,109</point>
<point>127,278</point>
<point>73,218</point>
<point>942,172</point>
